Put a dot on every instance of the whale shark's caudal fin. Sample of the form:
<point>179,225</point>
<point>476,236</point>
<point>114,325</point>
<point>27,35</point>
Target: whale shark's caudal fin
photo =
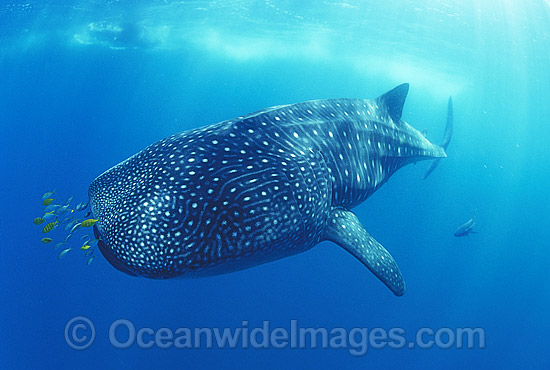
<point>446,136</point>
<point>345,229</point>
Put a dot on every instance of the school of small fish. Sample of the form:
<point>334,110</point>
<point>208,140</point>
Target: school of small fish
<point>56,215</point>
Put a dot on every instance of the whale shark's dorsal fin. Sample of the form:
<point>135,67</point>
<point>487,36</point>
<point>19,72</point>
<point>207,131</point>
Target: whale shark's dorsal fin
<point>345,229</point>
<point>394,100</point>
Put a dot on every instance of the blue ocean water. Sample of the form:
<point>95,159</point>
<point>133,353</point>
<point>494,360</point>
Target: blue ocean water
<point>84,85</point>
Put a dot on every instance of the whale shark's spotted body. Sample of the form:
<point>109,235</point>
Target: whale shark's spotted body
<point>257,188</point>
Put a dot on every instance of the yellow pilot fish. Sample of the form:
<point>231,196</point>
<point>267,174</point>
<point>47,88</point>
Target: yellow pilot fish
<point>49,227</point>
<point>88,223</point>
<point>47,201</point>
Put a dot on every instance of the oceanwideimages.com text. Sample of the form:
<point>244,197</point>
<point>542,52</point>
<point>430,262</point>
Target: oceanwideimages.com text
<point>80,334</point>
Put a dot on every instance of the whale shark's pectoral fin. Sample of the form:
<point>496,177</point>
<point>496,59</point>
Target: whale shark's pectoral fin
<point>345,230</point>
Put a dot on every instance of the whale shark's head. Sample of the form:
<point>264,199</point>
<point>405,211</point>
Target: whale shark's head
<point>137,213</point>
<point>111,203</point>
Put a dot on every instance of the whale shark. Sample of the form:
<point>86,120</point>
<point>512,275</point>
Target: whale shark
<point>257,188</point>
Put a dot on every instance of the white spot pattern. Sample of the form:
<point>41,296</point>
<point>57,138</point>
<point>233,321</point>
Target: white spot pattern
<point>252,189</point>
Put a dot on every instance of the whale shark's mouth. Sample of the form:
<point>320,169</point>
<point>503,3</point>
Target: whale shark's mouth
<point>109,255</point>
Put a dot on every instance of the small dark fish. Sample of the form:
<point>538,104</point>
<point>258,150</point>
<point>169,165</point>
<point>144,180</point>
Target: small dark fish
<point>466,228</point>
<point>63,210</point>
<point>90,260</point>
<point>66,220</point>
<point>58,245</point>
<point>38,221</point>
<point>89,252</point>
<point>63,253</point>
<point>88,214</point>
<point>51,208</point>
<point>81,207</point>
<point>93,242</point>
<point>48,215</point>
<point>68,237</point>
<point>70,225</point>
<point>76,226</point>
<point>69,201</point>
<point>48,194</point>
<point>84,237</point>
<point>46,240</point>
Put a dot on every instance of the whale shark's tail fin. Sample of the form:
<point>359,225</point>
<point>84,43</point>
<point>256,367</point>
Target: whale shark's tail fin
<point>446,136</point>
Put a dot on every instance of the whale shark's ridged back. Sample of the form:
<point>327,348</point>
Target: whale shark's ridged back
<point>359,140</point>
